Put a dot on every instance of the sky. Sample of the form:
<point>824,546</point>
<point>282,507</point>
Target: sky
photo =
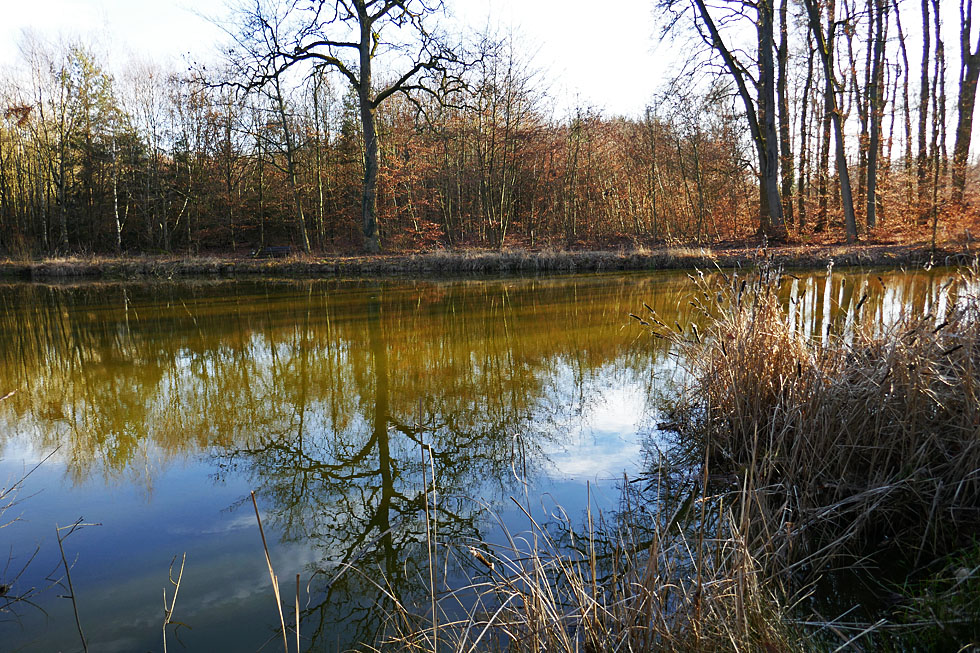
<point>593,57</point>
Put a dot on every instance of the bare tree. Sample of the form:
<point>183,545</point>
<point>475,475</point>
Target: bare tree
<point>875,100</point>
<point>760,109</point>
<point>826,49</point>
<point>922,158</point>
<point>969,73</point>
<point>906,106</point>
<point>785,147</point>
<point>823,159</point>
<point>350,37</point>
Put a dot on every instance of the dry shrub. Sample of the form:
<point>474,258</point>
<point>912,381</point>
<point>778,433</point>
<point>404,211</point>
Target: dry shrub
<point>846,443</point>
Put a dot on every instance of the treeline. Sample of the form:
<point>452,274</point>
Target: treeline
<point>155,161</point>
<point>850,115</point>
<point>149,159</point>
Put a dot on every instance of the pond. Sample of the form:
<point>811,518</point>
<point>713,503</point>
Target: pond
<point>157,408</point>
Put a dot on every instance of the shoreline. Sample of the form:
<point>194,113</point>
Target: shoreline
<point>470,262</point>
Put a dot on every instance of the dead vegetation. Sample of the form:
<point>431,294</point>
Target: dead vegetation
<point>846,442</point>
<point>666,583</point>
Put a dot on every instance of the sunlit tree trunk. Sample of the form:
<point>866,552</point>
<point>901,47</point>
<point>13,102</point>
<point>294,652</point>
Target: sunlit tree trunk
<point>785,147</point>
<point>922,160</point>
<point>906,106</point>
<point>875,102</point>
<point>966,101</point>
<point>938,157</point>
<point>802,177</point>
<point>761,118</point>
<point>825,47</point>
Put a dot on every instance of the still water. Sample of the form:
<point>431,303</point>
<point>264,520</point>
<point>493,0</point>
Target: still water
<point>158,407</point>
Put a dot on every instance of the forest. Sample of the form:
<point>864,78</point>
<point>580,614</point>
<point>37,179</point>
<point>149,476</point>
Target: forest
<point>363,125</point>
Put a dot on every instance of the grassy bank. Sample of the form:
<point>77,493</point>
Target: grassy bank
<point>443,262</point>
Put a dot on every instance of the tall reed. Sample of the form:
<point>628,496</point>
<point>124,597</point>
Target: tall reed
<point>849,441</point>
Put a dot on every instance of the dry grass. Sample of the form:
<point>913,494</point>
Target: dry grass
<point>449,262</point>
<point>846,443</point>
<point>665,587</point>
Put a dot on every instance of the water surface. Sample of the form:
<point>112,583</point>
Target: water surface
<point>163,405</point>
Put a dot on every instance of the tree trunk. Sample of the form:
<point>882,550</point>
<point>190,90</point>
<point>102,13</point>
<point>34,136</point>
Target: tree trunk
<point>857,94</point>
<point>804,150</point>
<point>762,127</point>
<point>969,73</point>
<point>938,146</point>
<point>825,47</point>
<point>229,185</point>
<point>906,108</point>
<point>785,147</point>
<point>369,198</point>
<point>261,164</point>
<point>875,101</point>
<point>115,197</point>
<point>318,147</point>
<point>5,208</point>
<point>823,172</point>
<point>767,106</point>
<point>923,155</point>
<point>62,193</point>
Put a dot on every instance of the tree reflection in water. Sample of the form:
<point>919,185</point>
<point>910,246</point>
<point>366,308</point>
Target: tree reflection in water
<point>358,496</point>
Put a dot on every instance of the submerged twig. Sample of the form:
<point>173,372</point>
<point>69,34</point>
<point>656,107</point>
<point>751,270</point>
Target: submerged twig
<point>169,611</point>
<point>64,560</point>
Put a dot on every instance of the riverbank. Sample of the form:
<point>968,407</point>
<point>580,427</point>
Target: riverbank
<point>443,262</point>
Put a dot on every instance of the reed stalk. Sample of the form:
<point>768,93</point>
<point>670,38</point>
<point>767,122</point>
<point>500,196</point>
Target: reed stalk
<point>67,567</point>
<point>272,577</point>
